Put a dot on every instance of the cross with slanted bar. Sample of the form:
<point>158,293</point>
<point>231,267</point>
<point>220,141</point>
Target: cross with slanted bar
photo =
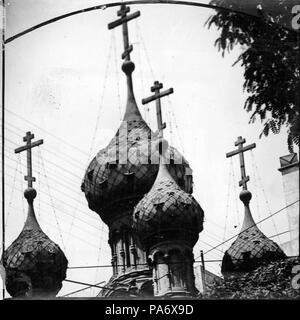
<point>157,95</point>
<point>240,141</point>
<point>123,21</point>
<point>29,136</point>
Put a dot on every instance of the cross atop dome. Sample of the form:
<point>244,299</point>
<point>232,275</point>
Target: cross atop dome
<point>29,136</point>
<point>35,266</point>
<point>157,95</point>
<point>123,21</point>
<point>132,112</point>
<point>240,141</point>
<point>251,247</point>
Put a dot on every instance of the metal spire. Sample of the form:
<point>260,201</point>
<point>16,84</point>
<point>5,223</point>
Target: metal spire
<point>132,112</point>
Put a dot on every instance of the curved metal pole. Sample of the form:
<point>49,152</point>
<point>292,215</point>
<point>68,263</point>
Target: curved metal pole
<point>115,4</point>
<point>3,133</point>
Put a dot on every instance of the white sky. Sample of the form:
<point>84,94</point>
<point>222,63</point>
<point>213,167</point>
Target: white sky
<point>55,86</point>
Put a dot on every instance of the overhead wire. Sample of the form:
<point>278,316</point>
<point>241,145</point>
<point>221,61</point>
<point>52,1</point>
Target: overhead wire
<point>47,132</point>
<point>117,72</point>
<point>60,178</point>
<point>256,224</point>
<point>48,150</point>
<point>145,264</point>
<point>145,50</point>
<point>227,202</point>
<point>47,223</point>
<point>82,221</point>
<point>65,170</point>
<point>52,203</point>
<point>255,188</point>
<point>215,247</point>
<point>12,193</point>
<point>264,194</point>
<point>51,206</point>
<point>235,193</point>
<point>146,107</point>
<point>176,126</point>
<point>51,199</point>
<point>68,205</point>
<point>80,290</point>
<point>100,108</point>
<point>100,248</point>
<point>209,235</point>
<point>56,181</point>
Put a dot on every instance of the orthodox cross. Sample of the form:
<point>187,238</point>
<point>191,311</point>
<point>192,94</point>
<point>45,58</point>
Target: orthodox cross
<point>29,136</point>
<point>157,95</point>
<point>240,141</point>
<point>123,21</point>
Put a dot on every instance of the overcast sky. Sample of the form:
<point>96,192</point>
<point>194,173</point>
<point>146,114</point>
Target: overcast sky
<point>64,83</point>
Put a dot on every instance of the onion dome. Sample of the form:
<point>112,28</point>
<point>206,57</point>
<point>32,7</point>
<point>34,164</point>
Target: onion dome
<point>34,264</point>
<point>120,174</point>
<point>167,212</point>
<point>252,247</point>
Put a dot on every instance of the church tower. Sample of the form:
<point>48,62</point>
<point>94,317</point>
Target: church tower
<point>168,222</point>
<point>119,176</point>
<point>252,247</point>
<point>35,266</point>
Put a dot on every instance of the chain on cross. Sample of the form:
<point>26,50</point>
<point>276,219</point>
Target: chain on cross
<point>29,136</point>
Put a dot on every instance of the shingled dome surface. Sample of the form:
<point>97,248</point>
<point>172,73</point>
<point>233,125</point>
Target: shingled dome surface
<point>250,250</point>
<point>126,169</point>
<point>34,264</point>
<point>167,212</point>
<point>252,247</point>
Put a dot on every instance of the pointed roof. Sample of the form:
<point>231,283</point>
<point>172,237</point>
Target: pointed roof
<point>34,264</point>
<point>31,222</point>
<point>252,247</point>
<point>132,111</point>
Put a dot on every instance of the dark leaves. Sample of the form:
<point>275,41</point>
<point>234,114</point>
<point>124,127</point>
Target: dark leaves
<point>270,281</point>
<point>271,61</point>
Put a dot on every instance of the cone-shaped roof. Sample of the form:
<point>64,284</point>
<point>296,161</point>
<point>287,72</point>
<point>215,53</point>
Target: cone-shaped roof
<point>251,247</point>
<point>34,264</point>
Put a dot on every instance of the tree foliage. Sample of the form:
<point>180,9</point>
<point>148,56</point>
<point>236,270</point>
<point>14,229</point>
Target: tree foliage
<point>271,60</point>
<point>270,281</point>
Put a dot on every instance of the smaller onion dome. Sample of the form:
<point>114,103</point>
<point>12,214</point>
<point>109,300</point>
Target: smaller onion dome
<point>252,247</point>
<point>34,264</point>
<point>167,212</point>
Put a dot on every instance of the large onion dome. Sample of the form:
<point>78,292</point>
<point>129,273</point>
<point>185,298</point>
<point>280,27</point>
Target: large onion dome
<point>167,212</point>
<point>252,247</point>
<point>35,266</point>
<point>120,174</point>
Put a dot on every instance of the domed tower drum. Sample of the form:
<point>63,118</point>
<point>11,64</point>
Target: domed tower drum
<point>121,173</point>
<point>168,222</point>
